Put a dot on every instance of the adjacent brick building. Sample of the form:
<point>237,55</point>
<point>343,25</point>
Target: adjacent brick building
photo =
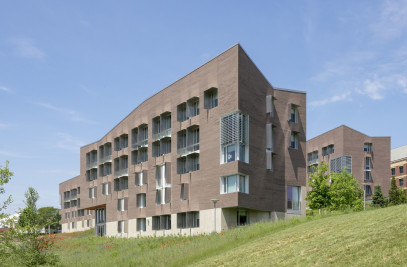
<point>221,132</point>
<point>399,166</point>
<point>367,158</point>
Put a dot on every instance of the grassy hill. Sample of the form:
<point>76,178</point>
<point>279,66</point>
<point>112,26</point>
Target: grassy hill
<point>374,237</point>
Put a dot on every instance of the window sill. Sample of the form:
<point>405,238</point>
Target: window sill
<point>293,211</point>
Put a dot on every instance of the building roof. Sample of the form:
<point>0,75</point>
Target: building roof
<point>399,153</point>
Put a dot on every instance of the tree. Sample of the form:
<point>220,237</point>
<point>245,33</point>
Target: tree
<point>396,195</point>
<point>378,199</point>
<point>318,197</point>
<point>5,176</point>
<point>23,245</point>
<point>49,216</point>
<point>29,215</point>
<point>345,192</point>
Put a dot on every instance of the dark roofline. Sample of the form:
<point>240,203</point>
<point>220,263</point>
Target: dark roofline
<point>289,90</point>
<point>237,44</point>
<point>343,125</point>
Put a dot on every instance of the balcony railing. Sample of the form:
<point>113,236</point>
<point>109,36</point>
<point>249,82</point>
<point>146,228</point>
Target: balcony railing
<point>188,149</point>
<point>139,144</point>
<point>107,158</point>
<point>122,172</point>
<point>312,162</point>
<point>162,134</point>
<point>91,165</point>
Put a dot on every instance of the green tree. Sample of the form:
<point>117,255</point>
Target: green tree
<point>318,197</point>
<point>5,176</point>
<point>49,216</point>
<point>24,245</point>
<point>396,195</point>
<point>345,192</point>
<point>378,199</point>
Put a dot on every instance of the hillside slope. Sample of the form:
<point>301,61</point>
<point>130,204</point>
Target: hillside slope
<point>375,237</point>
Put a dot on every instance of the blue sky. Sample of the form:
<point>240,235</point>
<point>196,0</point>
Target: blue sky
<point>71,70</point>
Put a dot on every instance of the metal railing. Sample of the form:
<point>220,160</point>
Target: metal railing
<point>122,172</point>
<point>188,149</point>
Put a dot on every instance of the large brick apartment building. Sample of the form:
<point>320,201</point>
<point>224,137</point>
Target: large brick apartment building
<point>222,132</point>
<point>367,158</point>
<point>398,166</point>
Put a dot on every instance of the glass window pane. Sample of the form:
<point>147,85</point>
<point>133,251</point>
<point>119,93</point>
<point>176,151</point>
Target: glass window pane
<point>231,153</point>
<point>231,183</point>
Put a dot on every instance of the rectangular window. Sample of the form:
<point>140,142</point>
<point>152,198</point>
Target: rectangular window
<point>313,158</point>
<point>368,176</point>
<point>293,113</point>
<point>156,225</point>
<point>182,165</point>
<point>293,198</point>
<point>393,171</point>
<point>367,164</point>
<point>367,147</point>
<point>141,200</point>
<point>234,137</point>
<point>141,224</point>
<point>120,204</point>
<point>194,219</point>
<point>166,222</point>
<point>368,190</point>
<point>270,105</point>
<point>401,169</point>
<point>182,112</point>
<point>120,227</point>
<point>401,182</point>
<point>211,98</point>
<point>92,192</point>
<point>89,212</point>
<point>182,220</point>
<point>234,183</point>
<point>143,155</point>
<point>88,223</point>
<point>73,225</point>
<point>139,179</point>
<point>182,191</point>
<point>294,140</point>
<point>192,107</point>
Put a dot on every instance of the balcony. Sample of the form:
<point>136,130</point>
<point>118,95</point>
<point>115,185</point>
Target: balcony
<point>91,165</point>
<point>122,172</point>
<point>183,151</point>
<point>312,162</point>
<point>107,158</point>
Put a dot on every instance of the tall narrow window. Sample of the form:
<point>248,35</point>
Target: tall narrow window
<point>141,224</point>
<point>141,200</point>
<point>367,164</point>
<point>293,113</point>
<point>235,137</point>
<point>293,198</point>
<point>211,98</point>
<point>270,105</point>
<point>294,140</point>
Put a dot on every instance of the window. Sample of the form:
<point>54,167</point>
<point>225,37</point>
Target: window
<point>192,107</point>
<point>270,105</point>
<point>368,190</point>
<point>393,171</point>
<point>234,137</point>
<point>141,224</point>
<point>156,225</point>
<point>293,113</point>
<point>341,163</point>
<point>143,155</point>
<point>313,158</point>
<point>89,212</point>
<point>121,183</point>
<point>141,200</point>
<point>73,214</point>
<point>139,179</point>
<point>182,220</point>
<point>194,219</point>
<point>182,112</point>
<point>234,183</point>
<point>165,146</point>
<point>367,147</point>
<point>73,225</point>
<point>166,222</point>
<point>88,223</point>
<point>401,182</point>
<point>367,164</point>
<point>368,176</point>
<point>120,227</point>
<point>294,140</point>
<point>105,189</point>
<point>242,217</point>
<point>122,204</point>
<point>81,213</point>
<point>328,150</point>
<point>92,192</point>
<point>182,165</point>
<point>401,169</point>
<point>156,149</point>
<point>293,198</point>
<point>211,98</point>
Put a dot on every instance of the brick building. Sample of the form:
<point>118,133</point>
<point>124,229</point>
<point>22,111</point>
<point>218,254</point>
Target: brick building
<point>222,132</point>
<point>398,166</point>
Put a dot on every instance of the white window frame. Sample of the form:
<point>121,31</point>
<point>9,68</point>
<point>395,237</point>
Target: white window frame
<point>244,188</point>
<point>120,204</point>
<point>141,227</point>
<point>141,200</point>
<point>105,189</point>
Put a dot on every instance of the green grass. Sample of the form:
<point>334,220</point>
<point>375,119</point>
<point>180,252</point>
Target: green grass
<point>376,237</point>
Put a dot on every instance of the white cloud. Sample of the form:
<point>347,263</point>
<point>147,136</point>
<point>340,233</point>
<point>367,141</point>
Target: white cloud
<point>70,114</point>
<point>392,21</point>
<point>373,89</point>
<point>68,142</point>
<point>5,89</point>
<point>342,97</point>
<point>25,47</point>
